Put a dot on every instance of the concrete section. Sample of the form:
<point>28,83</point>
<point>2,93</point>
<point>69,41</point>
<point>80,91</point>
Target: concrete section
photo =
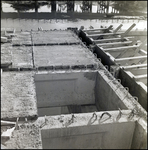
<point>6,57</point>
<point>54,37</point>
<point>87,132</point>
<point>18,97</point>
<point>65,88</point>
<point>19,56</point>
<point>25,136</point>
<point>22,38</point>
<point>106,97</point>
<point>134,88</point>
<point>140,135</point>
<point>72,55</point>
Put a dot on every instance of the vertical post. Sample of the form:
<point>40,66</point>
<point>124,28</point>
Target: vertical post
<point>90,6</point>
<point>107,7</point>
<point>1,7</point>
<point>36,6</point>
<point>70,6</point>
<point>53,6</point>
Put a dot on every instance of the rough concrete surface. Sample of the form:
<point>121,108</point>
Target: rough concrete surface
<point>6,56</point>
<point>22,38</point>
<point>25,136</point>
<point>19,56</point>
<point>18,97</point>
<point>71,55</point>
<point>54,37</point>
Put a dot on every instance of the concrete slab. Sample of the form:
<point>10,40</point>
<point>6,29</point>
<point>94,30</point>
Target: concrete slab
<point>19,56</point>
<point>6,56</point>
<point>18,97</point>
<point>22,38</point>
<point>25,136</point>
<point>54,37</point>
<point>72,55</point>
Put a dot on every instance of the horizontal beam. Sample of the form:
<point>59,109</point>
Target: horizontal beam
<point>97,29</point>
<point>105,30</point>
<point>121,48</point>
<point>141,76</point>
<point>112,39</point>
<point>7,123</point>
<point>105,34</point>
<point>115,43</point>
<point>130,58</point>
<point>134,66</point>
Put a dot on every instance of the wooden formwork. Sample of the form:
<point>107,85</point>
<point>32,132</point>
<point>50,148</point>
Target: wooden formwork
<point>115,48</point>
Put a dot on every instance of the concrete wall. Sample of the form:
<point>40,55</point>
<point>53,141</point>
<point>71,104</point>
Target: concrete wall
<point>106,97</point>
<point>65,88</point>
<point>134,88</point>
<point>81,135</point>
<point>140,135</point>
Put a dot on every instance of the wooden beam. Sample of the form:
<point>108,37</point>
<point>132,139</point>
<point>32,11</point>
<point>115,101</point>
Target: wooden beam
<point>105,34</point>
<point>141,51</point>
<point>93,31</point>
<point>117,28</point>
<point>121,48</point>
<point>130,58</point>
<point>115,43</point>
<point>141,76</point>
<point>134,66</point>
<point>112,40</point>
<point>87,30</point>
<point>7,123</point>
<point>128,30</point>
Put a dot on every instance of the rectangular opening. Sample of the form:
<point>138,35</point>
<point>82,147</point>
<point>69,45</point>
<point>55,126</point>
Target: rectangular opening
<point>65,93</point>
<point>74,92</point>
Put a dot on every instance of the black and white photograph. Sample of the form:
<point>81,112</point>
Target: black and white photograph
<point>73,74</point>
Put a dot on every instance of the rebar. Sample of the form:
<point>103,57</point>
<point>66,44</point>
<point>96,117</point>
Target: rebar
<point>103,115</point>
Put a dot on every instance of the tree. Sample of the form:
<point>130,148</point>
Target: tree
<point>130,6</point>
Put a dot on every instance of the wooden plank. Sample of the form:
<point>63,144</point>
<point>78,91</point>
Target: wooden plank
<point>115,43</point>
<point>134,66</point>
<point>121,48</point>
<point>7,123</point>
<point>112,39</point>
<point>106,30</point>
<point>141,76</point>
<point>105,34</point>
<point>87,30</point>
<point>141,51</point>
<point>118,28</point>
<point>130,58</point>
<point>128,30</point>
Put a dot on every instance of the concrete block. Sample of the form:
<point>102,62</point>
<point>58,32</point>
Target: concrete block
<point>18,98</point>
<point>109,135</point>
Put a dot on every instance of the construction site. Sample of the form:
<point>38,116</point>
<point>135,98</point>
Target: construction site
<point>73,88</point>
<point>73,75</point>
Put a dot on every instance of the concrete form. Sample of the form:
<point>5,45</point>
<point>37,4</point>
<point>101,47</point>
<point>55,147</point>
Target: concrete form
<point>119,53</point>
<point>67,107</point>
